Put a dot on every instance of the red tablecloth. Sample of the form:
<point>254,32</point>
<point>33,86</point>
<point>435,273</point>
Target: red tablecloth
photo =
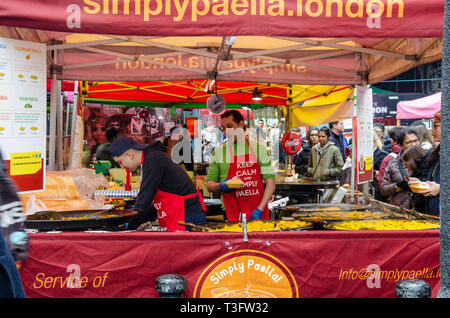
<point>270,264</point>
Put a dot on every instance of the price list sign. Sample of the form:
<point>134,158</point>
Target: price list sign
<point>364,133</point>
<point>23,102</point>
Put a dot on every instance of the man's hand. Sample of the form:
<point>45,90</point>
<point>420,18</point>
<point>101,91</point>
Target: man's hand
<point>434,190</point>
<point>145,226</point>
<point>223,186</point>
<point>256,215</point>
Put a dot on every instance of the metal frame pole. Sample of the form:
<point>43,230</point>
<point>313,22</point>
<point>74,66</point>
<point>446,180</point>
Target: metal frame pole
<point>52,123</point>
<point>444,292</point>
<point>74,121</point>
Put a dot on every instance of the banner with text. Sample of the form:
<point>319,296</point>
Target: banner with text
<point>300,264</point>
<point>297,18</point>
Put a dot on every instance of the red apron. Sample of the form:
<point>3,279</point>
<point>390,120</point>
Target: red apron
<point>246,199</point>
<point>170,207</point>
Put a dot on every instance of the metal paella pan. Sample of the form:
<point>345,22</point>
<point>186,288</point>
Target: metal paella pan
<point>78,220</point>
<point>319,207</point>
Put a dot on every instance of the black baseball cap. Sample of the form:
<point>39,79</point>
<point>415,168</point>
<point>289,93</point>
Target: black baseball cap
<point>122,144</point>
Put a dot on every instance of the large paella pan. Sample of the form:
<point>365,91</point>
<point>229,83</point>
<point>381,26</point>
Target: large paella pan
<point>78,220</point>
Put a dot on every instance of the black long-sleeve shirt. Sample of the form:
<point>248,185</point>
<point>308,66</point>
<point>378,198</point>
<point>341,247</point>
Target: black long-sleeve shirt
<point>160,172</point>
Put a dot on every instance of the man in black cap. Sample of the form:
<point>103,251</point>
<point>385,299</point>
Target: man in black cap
<point>165,185</point>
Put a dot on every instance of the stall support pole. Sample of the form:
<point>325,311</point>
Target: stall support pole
<point>52,123</point>
<point>59,129</point>
<point>354,141</point>
<point>288,125</point>
<point>74,121</point>
<point>248,118</point>
<point>444,291</point>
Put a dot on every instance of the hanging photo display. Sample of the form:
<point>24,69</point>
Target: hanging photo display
<point>143,124</point>
<point>23,103</point>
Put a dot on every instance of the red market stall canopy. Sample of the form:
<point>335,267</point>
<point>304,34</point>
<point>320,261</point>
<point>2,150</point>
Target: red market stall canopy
<point>197,92</point>
<point>256,41</point>
<point>184,93</point>
<point>424,107</point>
<point>312,104</point>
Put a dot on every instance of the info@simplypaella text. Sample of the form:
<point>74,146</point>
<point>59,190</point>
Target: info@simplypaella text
<point>225,307</point>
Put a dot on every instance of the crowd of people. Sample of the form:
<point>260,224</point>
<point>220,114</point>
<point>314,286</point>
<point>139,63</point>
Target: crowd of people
<point>401,155</point>
<point>414,156</point>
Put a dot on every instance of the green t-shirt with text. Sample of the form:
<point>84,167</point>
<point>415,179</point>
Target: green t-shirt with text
<point>221,158</point>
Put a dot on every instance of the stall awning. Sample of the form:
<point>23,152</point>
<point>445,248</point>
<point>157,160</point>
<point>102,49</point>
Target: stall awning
<point>312,104</point>
<point>424,107</point>
<point>187,93</point>
<point>341,18</point>
<point>292,42</point>
<point>331,105</point>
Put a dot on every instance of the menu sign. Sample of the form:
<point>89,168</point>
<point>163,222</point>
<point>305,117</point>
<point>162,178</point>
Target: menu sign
<point>23,102</point>
<point>364,134</point>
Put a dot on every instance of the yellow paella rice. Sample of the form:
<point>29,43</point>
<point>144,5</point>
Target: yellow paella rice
<point>87,217</point>
<point>331,208</point>
<point>264,226</point>
<point>342,215</point>
<point>384,225</point>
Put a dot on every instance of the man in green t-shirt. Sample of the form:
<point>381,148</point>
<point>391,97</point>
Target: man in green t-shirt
<point>247,160</point>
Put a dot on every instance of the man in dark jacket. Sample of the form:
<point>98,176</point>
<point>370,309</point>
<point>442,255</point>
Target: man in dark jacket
<point>337,136</point>
<point>165,185</point>
<point>14,241</point>
<point>301,162</point>
<point>102,152</point>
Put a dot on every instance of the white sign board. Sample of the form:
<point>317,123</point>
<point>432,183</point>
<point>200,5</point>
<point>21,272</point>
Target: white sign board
<point>364,134</point>
<point>23,102</point>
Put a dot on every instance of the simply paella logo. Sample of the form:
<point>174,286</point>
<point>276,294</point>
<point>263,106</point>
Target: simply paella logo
<point>246,274</point>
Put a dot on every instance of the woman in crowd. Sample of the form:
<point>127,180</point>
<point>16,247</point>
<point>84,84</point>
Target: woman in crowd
<point>415,160</point>
<point>384,137</point>
<point>394,184</point>
<point>378,153</point>
<point>425,137</point>
<point>325,159</point>
<point>301,162</point>
<point>378,156</point>
<point>393,134</point>
<point>434,175</point>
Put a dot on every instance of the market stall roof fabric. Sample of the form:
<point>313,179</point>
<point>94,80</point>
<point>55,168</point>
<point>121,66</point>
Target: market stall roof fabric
<point>312,104</point>
<point>291,42</point>
<point>331,105</point>
<point>337,18</point>
<point>197,92</point>
<point>424,107</point>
